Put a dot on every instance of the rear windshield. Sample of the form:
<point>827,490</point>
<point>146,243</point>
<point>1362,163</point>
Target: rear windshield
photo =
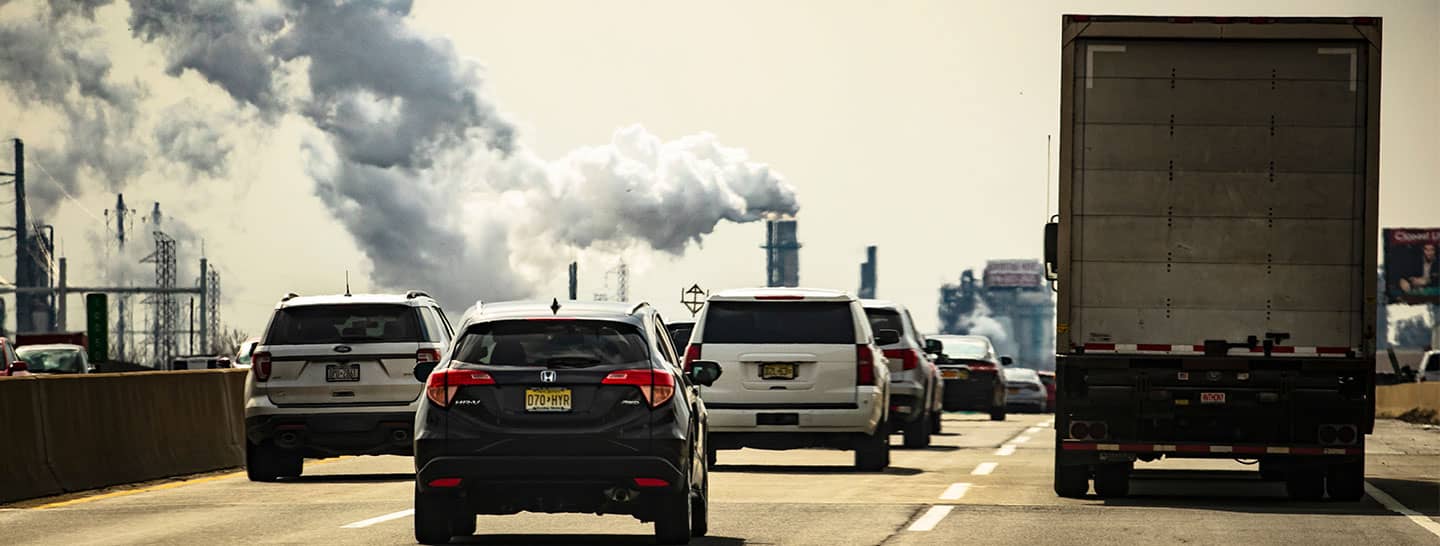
<point>885,319</point>
<point>680,335</point>
<point>787,322</point>
<point>963,348</point>
<point>54,360</point>
<point>367,323</point>
<point>552,343</point>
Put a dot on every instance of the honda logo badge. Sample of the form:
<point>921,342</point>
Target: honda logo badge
<point>547,376</point>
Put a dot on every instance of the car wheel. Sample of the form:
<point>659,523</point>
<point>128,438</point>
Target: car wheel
<point>436,519</point>
<point>700,509</point>
<point>872,451</point>
<point>712,456</point>
<point>1346,481</point>
<point>672,521</point>
<point>266,463</point>
<point>1112,480</point>
<point>997,412</point>
<point>917,432</point>
<point>936,422</point>
<point>1305,484</point>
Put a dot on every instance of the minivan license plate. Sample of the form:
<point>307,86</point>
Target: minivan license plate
<point>547,399</point>
<point>777,371</point>
<point>1212,398</point>
<point>335,373</point>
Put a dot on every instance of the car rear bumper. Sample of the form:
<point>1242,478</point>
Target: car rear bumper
<point>975,394</point>
<point>331,434</point>
<point>860,416</point>
<point>578,471</point>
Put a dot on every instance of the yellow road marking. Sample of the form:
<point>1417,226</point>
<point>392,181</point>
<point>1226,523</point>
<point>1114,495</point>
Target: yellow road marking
<point>159,487</point>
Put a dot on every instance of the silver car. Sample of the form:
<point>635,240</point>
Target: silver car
<point>1024,391</point>
<point>915,385</point>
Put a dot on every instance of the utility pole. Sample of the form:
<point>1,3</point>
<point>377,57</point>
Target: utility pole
<point>204,297</point>
<point>24,319</point>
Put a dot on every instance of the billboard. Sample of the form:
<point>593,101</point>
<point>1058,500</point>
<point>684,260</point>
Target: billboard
<point>1014,274</point>
<point>1412,265</point>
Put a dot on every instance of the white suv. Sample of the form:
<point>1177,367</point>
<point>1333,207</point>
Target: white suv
<point>801,369</point>
<point>334,375</point>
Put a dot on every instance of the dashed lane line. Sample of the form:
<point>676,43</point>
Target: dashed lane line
<point>379,519</point>
<point>1395,506</point>
<point>955,491</point>
<point>1020,439</point>
<point>931,518</point>
<point>1033,430</point>
<point>984,469</point>
<point>1006,450</point>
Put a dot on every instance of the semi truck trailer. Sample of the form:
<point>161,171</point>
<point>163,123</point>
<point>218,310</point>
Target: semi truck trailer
<point>1215,248</point>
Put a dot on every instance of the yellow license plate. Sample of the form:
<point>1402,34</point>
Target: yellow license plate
<point>545,399</point>
<point>777,371</point>
<point>954,374</point>
<point>1013,390</point>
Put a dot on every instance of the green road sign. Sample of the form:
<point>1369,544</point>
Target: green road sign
<point>97,327</point>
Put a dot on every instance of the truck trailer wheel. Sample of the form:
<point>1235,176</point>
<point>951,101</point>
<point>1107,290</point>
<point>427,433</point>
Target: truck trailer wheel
<point>1346,481</point>
<point>1072,481</point>
<point>1112,480</point>
<point>1305,484</point>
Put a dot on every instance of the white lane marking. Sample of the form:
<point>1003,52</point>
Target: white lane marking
<point>1033,430</point>
<point>1006,450</point>
<point>984,469</point>
<point>1020,439</point>
<point>931,518</point>
<point>1395,506</point>
<point>1045,424</point>
<point>955,491</point>
<point>379,519</point>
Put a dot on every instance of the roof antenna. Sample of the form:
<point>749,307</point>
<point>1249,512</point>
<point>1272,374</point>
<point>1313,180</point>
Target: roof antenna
<point>347,282</point>
<point>555,306</point>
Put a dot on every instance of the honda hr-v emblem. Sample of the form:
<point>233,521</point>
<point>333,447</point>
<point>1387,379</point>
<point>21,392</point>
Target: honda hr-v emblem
<point>547,376</point>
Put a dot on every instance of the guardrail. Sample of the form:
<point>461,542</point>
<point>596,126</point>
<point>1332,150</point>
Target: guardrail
<point>1396,400</point>
<point>70,433</point>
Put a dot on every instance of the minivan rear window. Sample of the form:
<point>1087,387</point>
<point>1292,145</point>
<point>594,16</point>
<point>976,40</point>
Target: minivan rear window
<point>779,322</point>
<point>576,343</point>
<point>354,323</point>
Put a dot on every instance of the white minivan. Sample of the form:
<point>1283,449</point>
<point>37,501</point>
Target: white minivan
<point>801,369</point>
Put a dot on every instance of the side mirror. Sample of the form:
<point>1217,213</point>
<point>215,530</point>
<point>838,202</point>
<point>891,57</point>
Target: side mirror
<point>1006,361</point>
<point>933,346</point>
<point>1052,251</point>
<point>887,337</point>
<point>705,372</point>
<point>423,370</point>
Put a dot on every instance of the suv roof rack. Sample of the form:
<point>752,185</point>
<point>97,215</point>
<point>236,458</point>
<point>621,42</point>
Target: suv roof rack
<point>639,306</point>
<point>416,294</point>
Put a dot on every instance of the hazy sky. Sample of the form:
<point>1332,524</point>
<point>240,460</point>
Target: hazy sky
<point>916,126</point>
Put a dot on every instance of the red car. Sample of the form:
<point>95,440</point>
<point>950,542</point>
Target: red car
<point>11,365</point>
<point>1048,378</point>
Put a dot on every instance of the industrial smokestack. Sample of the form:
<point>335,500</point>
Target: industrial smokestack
<point>574,284</point>
<point>782,253</point>
<point>868,274</point>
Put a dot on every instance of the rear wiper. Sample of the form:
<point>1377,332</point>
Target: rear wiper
<point>572,361</point>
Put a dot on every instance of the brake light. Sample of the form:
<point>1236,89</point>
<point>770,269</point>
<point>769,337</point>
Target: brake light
<point>864,365</point>
<point>651,482</point>
<point>780,297</point>
<point>692,353</point>
<point>910,357</point>
<point>445,482</point>
<point>441,386</point>
<point>658,386</point>
<point>427,356</point>
<point>260,365</point>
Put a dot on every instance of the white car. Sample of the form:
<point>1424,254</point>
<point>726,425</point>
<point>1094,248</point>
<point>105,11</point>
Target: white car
<point>1024,391</point>
<point>59,358</point>
<point>247,349</point>
<point>334,375</point>
<point>1430,366</point>
<point>801,369</point>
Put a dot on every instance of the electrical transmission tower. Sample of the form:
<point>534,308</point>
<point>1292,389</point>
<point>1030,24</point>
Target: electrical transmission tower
<point>165,308</point>
<point>212,304</point>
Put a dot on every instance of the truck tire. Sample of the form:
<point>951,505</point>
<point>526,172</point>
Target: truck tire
<point>1112,480</point>
<point>672,522</point>
<point>1272,470</point>
<point>872,451</point>
<point>1072,481</point>
<point>1346,481</point>
<point>439,517</point>
<point>1305,484</point>
<point>917,432</point>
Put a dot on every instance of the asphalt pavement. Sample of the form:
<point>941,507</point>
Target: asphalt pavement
<point>982,482</point>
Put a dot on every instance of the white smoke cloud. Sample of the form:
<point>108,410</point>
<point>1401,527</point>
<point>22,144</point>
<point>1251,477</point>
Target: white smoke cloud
<point>981,322</point>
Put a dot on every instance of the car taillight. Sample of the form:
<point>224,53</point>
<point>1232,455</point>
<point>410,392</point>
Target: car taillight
<point>692,353</point>
<point>441,386</point>
<point>910,357</point>
<point>427,356</point>
<point>260,365</point>
<point>658,386</point>
<point>864,365</point>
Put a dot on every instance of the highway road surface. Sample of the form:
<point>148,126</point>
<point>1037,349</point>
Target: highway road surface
<point>982,483</point>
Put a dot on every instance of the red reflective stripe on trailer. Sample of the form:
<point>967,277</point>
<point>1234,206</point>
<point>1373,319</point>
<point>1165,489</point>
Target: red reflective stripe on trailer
<point>1153,347</point>
<point>1306,450</point>
<point>1250,449</point>
<point>1077,446</point>
<point>1137,447</point>
<point>1099,346</point>
<point>1192,448</point>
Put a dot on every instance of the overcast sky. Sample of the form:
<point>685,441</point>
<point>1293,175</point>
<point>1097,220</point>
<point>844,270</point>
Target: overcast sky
<point>919,127</point>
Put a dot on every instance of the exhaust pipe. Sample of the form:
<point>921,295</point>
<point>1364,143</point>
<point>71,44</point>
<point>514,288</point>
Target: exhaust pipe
<point>399,435</point>
<point>287,439</point>
<point>621,494</point>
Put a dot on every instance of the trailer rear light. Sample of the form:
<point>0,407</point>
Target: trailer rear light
<point>910,358</point>
<point>1079,430</point>
<point>864,365</point>
<point>1099,430</point>
<point>442,385</point>
<point>1089,430</point>
<point>427,356</point>
<point>445,482</point>
<point>1328,434</point>
<point>1347,434</point>
<point>1338,434</point>
<point>260,365</point>
<point>651,482</point>
<point>692,353</point>
<point>658,386</point>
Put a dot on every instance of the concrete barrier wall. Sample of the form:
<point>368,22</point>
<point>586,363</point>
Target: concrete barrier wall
<point>71,433</point>
<point>1395,400</point>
